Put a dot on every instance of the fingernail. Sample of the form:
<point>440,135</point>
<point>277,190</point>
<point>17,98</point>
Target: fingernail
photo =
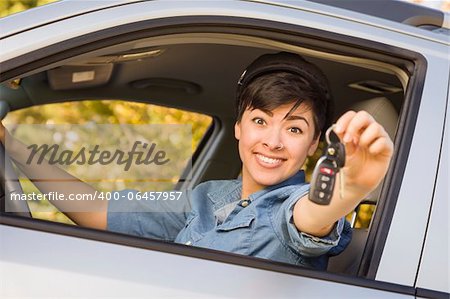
<point>338,129</point>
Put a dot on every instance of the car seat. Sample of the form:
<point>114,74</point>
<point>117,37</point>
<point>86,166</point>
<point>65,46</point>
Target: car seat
<point>349,260</point>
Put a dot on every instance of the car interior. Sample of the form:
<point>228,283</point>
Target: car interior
<point>199,73</point>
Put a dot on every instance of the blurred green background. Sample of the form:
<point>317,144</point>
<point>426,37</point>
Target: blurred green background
<point>91,112</point>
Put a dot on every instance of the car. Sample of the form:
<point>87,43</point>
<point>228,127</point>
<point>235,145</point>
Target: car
<point>91,63</point>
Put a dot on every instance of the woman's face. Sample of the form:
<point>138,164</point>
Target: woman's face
<point>274,147</point>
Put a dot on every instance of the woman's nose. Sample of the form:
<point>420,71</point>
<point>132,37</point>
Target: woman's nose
<point>272,140</point>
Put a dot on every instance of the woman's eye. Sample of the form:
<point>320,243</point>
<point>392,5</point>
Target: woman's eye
<point>259,121</point>
<point>295,130</point>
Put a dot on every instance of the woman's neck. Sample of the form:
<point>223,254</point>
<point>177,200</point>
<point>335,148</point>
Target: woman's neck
<point>249,188</point>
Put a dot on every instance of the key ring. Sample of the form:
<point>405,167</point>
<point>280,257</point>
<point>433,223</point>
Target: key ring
<point>327,133</point>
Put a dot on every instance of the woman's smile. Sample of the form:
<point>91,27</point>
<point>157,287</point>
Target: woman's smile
<point>269,161</point>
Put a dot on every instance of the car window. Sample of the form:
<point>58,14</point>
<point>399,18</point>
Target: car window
<point>197,76</point>
<point>81,125</point>
<point>197,93</point>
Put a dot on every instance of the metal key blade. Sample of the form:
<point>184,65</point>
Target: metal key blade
<point>341,183</point>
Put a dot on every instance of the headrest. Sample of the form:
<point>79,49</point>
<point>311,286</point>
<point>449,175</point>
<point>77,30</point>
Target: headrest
<point>383,111</point>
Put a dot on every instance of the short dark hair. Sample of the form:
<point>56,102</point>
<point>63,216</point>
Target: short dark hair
<point>273,80</point>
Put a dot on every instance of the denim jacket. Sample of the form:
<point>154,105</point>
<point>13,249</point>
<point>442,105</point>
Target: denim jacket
<point>214,216</point>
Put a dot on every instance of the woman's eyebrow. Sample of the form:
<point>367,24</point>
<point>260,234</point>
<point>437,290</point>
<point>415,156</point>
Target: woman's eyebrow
<point>268,112</point>
<point>295,117</point>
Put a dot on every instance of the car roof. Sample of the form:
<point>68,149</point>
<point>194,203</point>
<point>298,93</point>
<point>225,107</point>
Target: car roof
<point>395,10</point>
<point>52,12</point>
<point>392,10</point>
<point>408,18</point>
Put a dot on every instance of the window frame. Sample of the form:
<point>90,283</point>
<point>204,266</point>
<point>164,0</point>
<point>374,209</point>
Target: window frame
<point>271,30</point>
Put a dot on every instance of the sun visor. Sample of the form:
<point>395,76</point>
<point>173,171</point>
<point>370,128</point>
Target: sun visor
<point>79,76</point>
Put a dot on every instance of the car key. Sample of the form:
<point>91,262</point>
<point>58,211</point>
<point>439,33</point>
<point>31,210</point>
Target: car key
<point>326,169</point>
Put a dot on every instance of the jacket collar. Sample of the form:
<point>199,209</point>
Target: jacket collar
<point>230,191</point>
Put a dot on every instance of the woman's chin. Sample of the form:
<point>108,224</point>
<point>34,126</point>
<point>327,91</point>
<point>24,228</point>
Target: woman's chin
<point>268,181</point>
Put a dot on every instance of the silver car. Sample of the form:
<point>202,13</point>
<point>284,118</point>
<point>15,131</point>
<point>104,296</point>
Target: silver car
<point>387,57</point>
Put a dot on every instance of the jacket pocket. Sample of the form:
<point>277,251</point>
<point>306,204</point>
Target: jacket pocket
<point>242,222</point>
<point>235,235</point>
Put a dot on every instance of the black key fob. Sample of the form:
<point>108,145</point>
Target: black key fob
<point>323,180</point>
<point>327,167</point>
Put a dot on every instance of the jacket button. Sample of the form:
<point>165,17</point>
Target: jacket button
<point>244,203</point>
<point>188,243</point>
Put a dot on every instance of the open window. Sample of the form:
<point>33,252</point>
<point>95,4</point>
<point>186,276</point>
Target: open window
<point>197,70</point>
<point>70,130</point>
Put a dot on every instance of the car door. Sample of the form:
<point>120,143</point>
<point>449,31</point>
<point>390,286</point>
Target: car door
<point>39,257</point>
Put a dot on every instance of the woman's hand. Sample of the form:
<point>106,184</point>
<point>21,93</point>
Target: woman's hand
<point>368,151</point>
<point>368,154</point>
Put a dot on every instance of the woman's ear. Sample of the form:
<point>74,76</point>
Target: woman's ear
<point>237,130</point>
<point>313,147</point>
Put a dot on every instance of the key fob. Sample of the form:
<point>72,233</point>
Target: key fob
<point>323,179</point>
<point>327,167</point>
<point>336,153</point>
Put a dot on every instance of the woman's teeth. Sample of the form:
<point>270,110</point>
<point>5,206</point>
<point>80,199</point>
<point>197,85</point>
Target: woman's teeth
<point>268,160</point>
